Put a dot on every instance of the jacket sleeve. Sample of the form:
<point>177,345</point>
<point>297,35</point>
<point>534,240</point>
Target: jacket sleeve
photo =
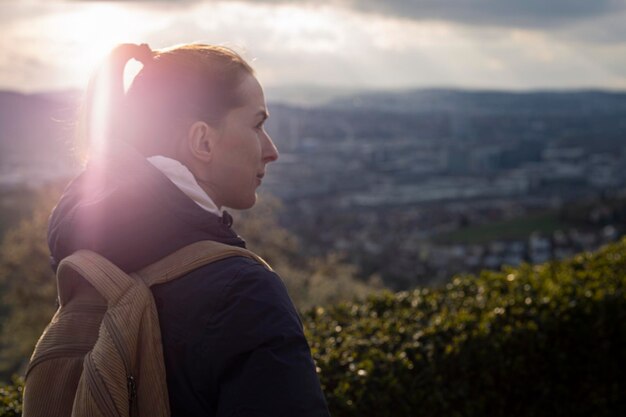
<point>259,358</point>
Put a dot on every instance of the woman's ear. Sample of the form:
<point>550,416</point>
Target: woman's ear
<point>199,141</point>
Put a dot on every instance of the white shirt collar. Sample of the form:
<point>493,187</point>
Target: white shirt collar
<point>180,175</point>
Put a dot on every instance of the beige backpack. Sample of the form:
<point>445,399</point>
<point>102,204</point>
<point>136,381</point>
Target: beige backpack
<point>101,354</point>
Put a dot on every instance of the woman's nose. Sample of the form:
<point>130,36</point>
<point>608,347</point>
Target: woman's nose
<point>270,152</point>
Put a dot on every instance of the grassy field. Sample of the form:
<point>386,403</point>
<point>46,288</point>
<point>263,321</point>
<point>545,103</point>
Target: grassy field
<point>519,228</point>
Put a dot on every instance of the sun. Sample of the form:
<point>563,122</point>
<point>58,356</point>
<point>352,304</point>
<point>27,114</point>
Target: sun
<point>83,35</point>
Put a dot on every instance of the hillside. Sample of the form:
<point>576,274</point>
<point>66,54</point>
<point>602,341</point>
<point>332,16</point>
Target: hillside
<point>488,101</point>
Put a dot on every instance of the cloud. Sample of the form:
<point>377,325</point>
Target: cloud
<point>603,30</point>
<point>500,13</point>
<point>587,21</point>
<point>546,14</point>
<point>518,13</point>
<point>305,43</point>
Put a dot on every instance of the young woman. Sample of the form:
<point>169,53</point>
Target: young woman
<point>185,141</point>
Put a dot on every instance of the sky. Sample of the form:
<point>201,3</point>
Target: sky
<point>355,44</point>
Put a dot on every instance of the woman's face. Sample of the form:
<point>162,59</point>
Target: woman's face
<point>241,151</point>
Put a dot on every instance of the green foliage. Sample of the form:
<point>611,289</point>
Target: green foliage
<point>533,341</point>
<point>28,285</point>
<point>11,398</point>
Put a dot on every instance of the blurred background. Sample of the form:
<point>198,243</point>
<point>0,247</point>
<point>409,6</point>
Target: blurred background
<point>419,139</point>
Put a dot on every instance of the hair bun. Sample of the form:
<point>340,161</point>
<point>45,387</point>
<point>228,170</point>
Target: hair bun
<point>143,53</point>
<point>125,51</point>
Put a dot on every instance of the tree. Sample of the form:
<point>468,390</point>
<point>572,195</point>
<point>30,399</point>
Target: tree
<point>28,285</point>
<point>310,280</point>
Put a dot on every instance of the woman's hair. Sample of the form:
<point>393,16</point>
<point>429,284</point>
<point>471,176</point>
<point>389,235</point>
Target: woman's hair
<point>176,86</point>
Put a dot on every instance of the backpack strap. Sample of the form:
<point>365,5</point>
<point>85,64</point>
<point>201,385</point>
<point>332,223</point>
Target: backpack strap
<point>109,280</point>
<point>192,257</point>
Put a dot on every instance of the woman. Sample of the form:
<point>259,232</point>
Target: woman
<point>185,141</point>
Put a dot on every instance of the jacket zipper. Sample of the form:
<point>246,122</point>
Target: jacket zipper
<point>131,382</point>
<point>98,388</point>
<point>132,395</point>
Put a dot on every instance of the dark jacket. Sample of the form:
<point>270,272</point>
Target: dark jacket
<point>233,341</point>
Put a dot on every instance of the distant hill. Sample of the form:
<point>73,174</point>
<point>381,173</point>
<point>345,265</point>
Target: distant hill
<point>495,102</point>
<point>307,95</point>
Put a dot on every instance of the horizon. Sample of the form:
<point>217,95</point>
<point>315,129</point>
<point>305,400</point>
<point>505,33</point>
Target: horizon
<point>392,46</point>
<point>529,90</point>
<point>299,93</point>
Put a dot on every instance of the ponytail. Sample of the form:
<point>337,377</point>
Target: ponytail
<point>103,111</point>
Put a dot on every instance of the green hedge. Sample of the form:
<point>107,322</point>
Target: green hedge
<point>547,340</point>
<point>11,399</point>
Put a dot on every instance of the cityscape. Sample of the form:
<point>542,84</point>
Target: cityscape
<point>412,187</point>
<point>385,178</point>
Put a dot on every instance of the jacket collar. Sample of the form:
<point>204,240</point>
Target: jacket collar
<point>128,211</point>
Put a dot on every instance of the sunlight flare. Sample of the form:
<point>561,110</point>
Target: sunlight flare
<point>84,35</point>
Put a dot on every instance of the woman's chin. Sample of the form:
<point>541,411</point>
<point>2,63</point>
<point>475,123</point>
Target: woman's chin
<point>244,203</point>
